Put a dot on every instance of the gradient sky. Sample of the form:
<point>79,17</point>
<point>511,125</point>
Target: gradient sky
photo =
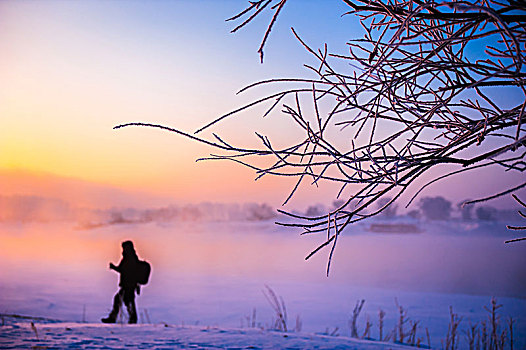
<point>71,70</point>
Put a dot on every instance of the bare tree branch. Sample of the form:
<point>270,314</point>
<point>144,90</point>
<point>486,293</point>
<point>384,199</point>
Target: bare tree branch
<point>413,97</point>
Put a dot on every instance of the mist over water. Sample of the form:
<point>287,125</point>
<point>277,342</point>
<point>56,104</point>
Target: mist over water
<point>213,273</point>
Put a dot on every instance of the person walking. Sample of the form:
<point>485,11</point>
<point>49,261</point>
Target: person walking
<point>128,284</point>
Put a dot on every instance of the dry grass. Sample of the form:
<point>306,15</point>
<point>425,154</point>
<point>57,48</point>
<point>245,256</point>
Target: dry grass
<point>280,311</point>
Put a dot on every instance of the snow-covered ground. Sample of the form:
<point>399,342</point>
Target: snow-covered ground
<point>208,278</point>
<point>98,336</point>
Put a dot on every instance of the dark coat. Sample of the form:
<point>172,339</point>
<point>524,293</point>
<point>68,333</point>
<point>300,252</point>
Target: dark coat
<point>127,269</point>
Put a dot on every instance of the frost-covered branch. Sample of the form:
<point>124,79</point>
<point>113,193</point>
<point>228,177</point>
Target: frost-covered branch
<point>413,97</point>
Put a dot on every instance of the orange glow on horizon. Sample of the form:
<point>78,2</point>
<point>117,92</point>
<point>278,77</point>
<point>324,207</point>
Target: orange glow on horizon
<point>202,182</point>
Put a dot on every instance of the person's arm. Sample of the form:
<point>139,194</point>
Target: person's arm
<point>116,268</point>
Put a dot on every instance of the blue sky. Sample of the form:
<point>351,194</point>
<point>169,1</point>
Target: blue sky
<point>74,69</point>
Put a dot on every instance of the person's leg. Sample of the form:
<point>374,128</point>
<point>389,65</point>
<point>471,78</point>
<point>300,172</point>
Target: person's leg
<point>129,301</point>
<point>117,302</point>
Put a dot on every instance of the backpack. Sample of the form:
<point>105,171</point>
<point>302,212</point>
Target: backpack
<point>142,272</point>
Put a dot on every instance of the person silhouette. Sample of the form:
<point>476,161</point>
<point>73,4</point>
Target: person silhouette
<point>128,284</point>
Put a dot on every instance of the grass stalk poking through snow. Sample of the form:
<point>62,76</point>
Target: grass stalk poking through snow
<point>299,324</point>
<point>473,336</point>
<point>510,326</point>
<point>451,342</point>
<point>402,320</point>
<point>489,335</point>
<point>494,341</point>
<point>381,315</point>
<point>251,320</point>
<point>367,331</point>
<point>280,311</point>
<point>355,313</point>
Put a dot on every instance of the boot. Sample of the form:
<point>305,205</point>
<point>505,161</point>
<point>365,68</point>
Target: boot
<point>108,319</point>
<point>112,318</point>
